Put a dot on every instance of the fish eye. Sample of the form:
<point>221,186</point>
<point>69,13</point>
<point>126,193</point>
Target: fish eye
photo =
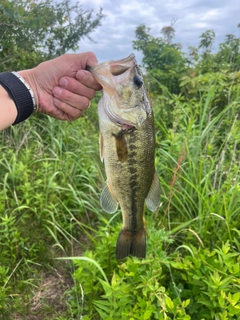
<point>138,81</point>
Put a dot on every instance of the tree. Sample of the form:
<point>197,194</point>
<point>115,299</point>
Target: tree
<point>169,32</point>
<point>228,56</point>
<point>163,60</point>
<point>32,30</point>
<point>207,40</point>
<point>206,61</point>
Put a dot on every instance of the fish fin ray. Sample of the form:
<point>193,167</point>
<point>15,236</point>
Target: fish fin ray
<point>131,244</point>
<point>101,147</point>
<point>107,201</point>
<point>153,198</point>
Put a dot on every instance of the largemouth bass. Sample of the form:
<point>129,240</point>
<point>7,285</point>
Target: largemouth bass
<point>127,143</point>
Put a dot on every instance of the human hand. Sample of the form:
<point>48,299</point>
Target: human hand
<point>62,87</point>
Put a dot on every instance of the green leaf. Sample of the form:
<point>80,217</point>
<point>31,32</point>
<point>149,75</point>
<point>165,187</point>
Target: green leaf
<point>185,303</point>
<point>169,303</point>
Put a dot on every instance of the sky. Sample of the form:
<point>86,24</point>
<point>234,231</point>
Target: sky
<point>113,39</point>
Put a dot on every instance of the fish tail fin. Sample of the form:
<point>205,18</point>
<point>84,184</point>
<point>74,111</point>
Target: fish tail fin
<point>131,243</point>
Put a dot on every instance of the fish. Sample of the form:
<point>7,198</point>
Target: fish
<point>127,148</point>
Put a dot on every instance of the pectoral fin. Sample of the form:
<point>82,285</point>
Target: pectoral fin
<point>107,202</point>
<point>153,198</point>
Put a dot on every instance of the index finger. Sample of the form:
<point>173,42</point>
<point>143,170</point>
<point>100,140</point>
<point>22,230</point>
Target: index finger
<point>77,61</point>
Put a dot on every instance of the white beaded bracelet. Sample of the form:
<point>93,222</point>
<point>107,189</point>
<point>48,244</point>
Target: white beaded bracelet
<point>29,89</point>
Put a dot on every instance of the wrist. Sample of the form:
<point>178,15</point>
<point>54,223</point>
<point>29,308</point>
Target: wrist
<point>28,77</point>
<point>29,89</point>
<point>20,92</point>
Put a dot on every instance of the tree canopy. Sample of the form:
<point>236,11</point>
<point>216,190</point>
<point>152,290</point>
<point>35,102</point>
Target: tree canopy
<point>167,63</point>
<point>33,31</point>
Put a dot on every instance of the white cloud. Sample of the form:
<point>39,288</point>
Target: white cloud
<point>114,38</point>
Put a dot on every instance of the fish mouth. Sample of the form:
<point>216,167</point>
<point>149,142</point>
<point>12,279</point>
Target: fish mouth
<point>118,67</point>
<point>115,67</point>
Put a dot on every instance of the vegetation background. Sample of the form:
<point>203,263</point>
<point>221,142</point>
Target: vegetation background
<point>57,246</point>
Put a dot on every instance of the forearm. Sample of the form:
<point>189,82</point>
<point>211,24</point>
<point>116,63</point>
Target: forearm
<point>8,110</point>
<point>15,92</point>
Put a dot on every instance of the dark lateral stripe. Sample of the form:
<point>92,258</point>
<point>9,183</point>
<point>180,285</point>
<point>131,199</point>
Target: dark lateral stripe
<point>133,181</point>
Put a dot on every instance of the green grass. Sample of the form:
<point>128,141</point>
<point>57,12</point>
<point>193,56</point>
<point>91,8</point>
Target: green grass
<point>53,233</point>
<point>49,190</point>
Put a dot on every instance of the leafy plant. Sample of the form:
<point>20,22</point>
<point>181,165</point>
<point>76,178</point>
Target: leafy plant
<point>202,284</point>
